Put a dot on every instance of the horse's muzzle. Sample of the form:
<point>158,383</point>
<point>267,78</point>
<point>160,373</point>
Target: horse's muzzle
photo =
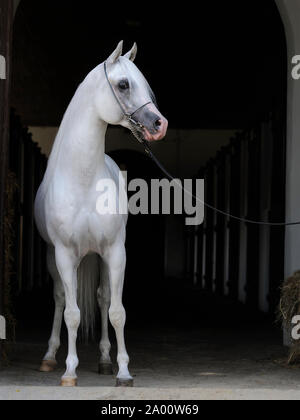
<point>155,124</point>
<point>159,132</point>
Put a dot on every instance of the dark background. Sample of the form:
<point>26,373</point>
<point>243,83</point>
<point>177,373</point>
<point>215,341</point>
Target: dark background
<point>210,64</point>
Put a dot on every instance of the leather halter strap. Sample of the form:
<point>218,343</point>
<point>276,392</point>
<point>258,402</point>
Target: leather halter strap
<point>128,116</point>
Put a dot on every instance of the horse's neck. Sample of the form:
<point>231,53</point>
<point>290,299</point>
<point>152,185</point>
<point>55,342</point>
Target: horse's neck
<point>78,151</point>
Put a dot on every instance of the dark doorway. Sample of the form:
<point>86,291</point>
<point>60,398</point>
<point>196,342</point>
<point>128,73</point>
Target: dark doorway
<point>211,68</point>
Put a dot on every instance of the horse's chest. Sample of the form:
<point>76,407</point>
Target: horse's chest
<point>73,216</point>
<point>92,232</point>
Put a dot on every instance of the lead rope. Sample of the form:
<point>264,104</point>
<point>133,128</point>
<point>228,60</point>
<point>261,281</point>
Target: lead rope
<point>136,129</point>
<point>149,152</point>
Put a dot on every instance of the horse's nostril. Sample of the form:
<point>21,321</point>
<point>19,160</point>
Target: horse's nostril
<point>157,123</point>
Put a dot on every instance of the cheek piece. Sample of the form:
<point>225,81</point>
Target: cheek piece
<point>134,126</point>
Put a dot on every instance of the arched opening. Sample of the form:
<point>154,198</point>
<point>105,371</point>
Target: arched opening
<point>213,75</point>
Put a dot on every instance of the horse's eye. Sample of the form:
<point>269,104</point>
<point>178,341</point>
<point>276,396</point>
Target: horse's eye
<point>124,84</point>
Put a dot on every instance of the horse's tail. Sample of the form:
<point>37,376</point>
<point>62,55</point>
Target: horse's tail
<point>88,275</point>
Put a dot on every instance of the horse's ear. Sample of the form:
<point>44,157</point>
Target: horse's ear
<point>116,54</point>
<point>132,53</point>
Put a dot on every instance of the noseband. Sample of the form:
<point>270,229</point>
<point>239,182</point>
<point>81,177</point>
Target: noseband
<point>134,125</point>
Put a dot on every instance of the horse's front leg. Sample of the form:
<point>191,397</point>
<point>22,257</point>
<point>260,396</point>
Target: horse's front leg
<point>116,261</point>
<point>103,297</point>
<point>49,360</point>
<point>67,264</point>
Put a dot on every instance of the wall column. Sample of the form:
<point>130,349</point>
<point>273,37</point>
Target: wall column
<point>290,13</point>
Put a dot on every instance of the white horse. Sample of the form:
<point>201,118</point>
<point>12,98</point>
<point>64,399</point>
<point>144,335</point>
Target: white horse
<point>66,215</point>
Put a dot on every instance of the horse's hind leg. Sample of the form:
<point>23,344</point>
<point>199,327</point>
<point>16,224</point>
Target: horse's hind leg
<point>116,261</point>
<point>103,297</point>
<point>49,360</point>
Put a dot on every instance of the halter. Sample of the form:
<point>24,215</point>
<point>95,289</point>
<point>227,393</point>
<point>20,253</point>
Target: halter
<point>136,128</point>
<point>134,125</point>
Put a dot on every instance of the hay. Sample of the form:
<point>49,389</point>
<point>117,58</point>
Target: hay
<point>289,307</point>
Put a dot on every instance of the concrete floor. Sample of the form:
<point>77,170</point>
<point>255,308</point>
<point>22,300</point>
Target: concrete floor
<point>167,363</point>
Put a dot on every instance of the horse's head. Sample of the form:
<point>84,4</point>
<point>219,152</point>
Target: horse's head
<point>127,92</point>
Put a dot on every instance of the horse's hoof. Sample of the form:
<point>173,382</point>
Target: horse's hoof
<point>48,366</point>
<point>68,382</point>
<point>126,383</point>
<point>105,369</point>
